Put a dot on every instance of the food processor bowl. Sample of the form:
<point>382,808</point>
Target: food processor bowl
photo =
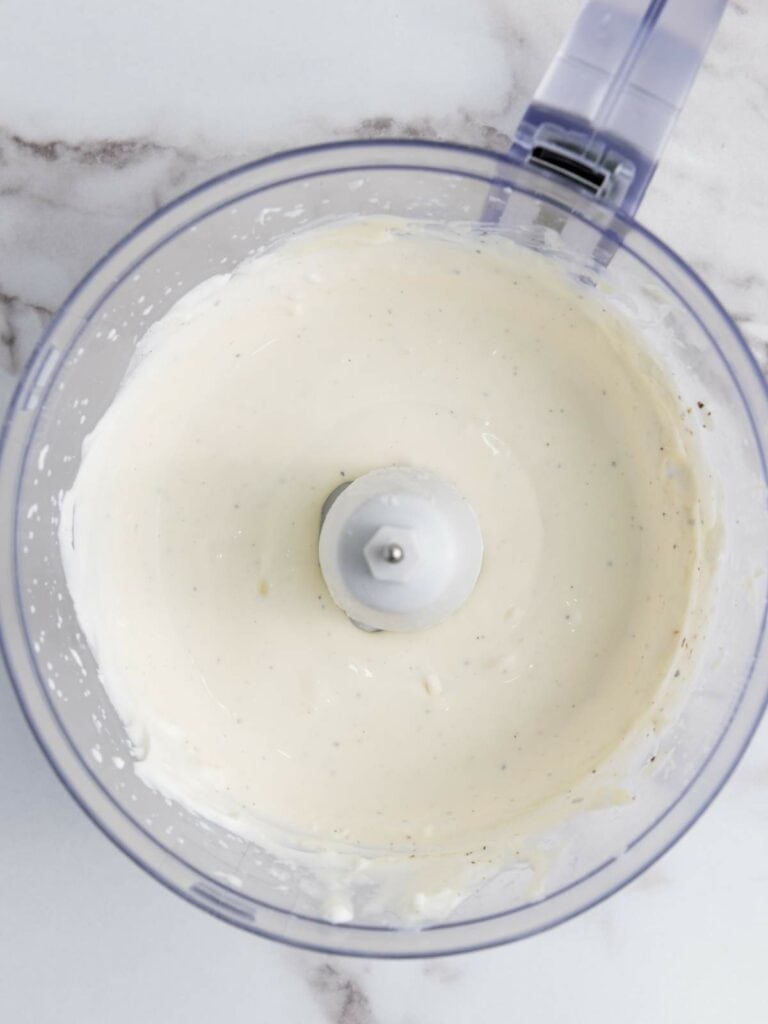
<point>80,365</point>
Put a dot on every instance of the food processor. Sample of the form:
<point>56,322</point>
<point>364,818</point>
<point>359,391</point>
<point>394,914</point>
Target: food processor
<point>582,158</point>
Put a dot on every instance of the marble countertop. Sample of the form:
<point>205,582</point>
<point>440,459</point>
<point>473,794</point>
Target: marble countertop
<point>108,111</point>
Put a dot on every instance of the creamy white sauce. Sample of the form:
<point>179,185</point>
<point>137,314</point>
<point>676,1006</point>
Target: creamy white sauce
<point>190,539</point>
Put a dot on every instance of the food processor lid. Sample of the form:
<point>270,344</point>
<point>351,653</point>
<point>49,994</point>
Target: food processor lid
<point>400,549</point>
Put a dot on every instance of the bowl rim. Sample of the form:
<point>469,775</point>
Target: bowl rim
<point>617,230</point>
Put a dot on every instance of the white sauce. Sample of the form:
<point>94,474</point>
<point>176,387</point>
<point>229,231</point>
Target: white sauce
<point>190,539</point>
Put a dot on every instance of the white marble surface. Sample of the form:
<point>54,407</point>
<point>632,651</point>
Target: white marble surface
<point>107,111</point>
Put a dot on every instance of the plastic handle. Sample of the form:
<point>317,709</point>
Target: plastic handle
<point>607,104</point>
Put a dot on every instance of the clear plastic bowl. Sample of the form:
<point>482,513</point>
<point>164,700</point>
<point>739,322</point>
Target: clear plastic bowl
<point>75,373</point>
